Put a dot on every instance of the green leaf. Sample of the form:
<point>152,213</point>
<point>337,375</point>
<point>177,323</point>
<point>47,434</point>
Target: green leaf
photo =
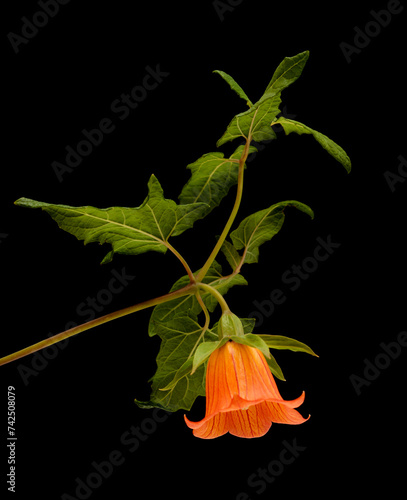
<point>232,255</point>
<point>260,227</point>
<point>182,372</point>
<point>178,325</point>
<point>130,231</point>
<point>212,176</point>
<point>281,342</point>
<point>288,71</point>
<point>256,121</point>
<point>234,86</point>
<point>328,144</point>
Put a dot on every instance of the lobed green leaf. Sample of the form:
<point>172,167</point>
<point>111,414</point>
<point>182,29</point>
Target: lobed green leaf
<point>260,227</point>
<point>129,231</point>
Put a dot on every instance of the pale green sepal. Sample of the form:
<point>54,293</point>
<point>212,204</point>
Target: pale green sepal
<point>204,351</point>
<point>274,367</point>
<point>252,340</point>
<point>281,342</point>
<point>230,325</point>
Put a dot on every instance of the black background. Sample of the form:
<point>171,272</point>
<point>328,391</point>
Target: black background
<point>74,411</point>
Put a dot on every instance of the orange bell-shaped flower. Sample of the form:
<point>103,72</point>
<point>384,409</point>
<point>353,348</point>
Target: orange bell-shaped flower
<point>242,395</point>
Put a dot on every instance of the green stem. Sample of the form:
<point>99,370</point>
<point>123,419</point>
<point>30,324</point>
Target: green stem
<point>206,325</point>
<point>187,290</point>
<point>210,289</point>
<point>202,273</point>
<point>182,260</point>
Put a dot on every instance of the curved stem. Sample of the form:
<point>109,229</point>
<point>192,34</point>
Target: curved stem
<point>182,260</point>
<point>202,273</point>
<point>204,309</point>
<point>206,325</point>
<point>187,290</point>
<point>210,289</point>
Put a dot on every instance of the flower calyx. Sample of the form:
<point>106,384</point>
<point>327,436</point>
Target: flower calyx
<point>230,326</point>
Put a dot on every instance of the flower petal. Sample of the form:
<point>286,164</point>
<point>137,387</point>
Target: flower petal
<point>280,413</point>
<point>218,394</point>
<point>254,380</point>
<point>209,428</point>
<point>251,423</point>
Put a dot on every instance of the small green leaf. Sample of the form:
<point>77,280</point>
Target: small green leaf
<point>281,342</point>
<point>288,71</point>
<point>234,86</point>
<point>130,231</point>
<point>256,121</point>
<point>231,254</point>
<point>261,226</point>
<point>212,176</point>
<point>328,144</point>
<point>252,340</point>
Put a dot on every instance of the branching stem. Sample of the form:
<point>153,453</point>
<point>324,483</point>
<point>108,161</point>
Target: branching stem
<point>187,290</point>
<point>183,262</point>
<point>192,288</point>
<point>218,296</point>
